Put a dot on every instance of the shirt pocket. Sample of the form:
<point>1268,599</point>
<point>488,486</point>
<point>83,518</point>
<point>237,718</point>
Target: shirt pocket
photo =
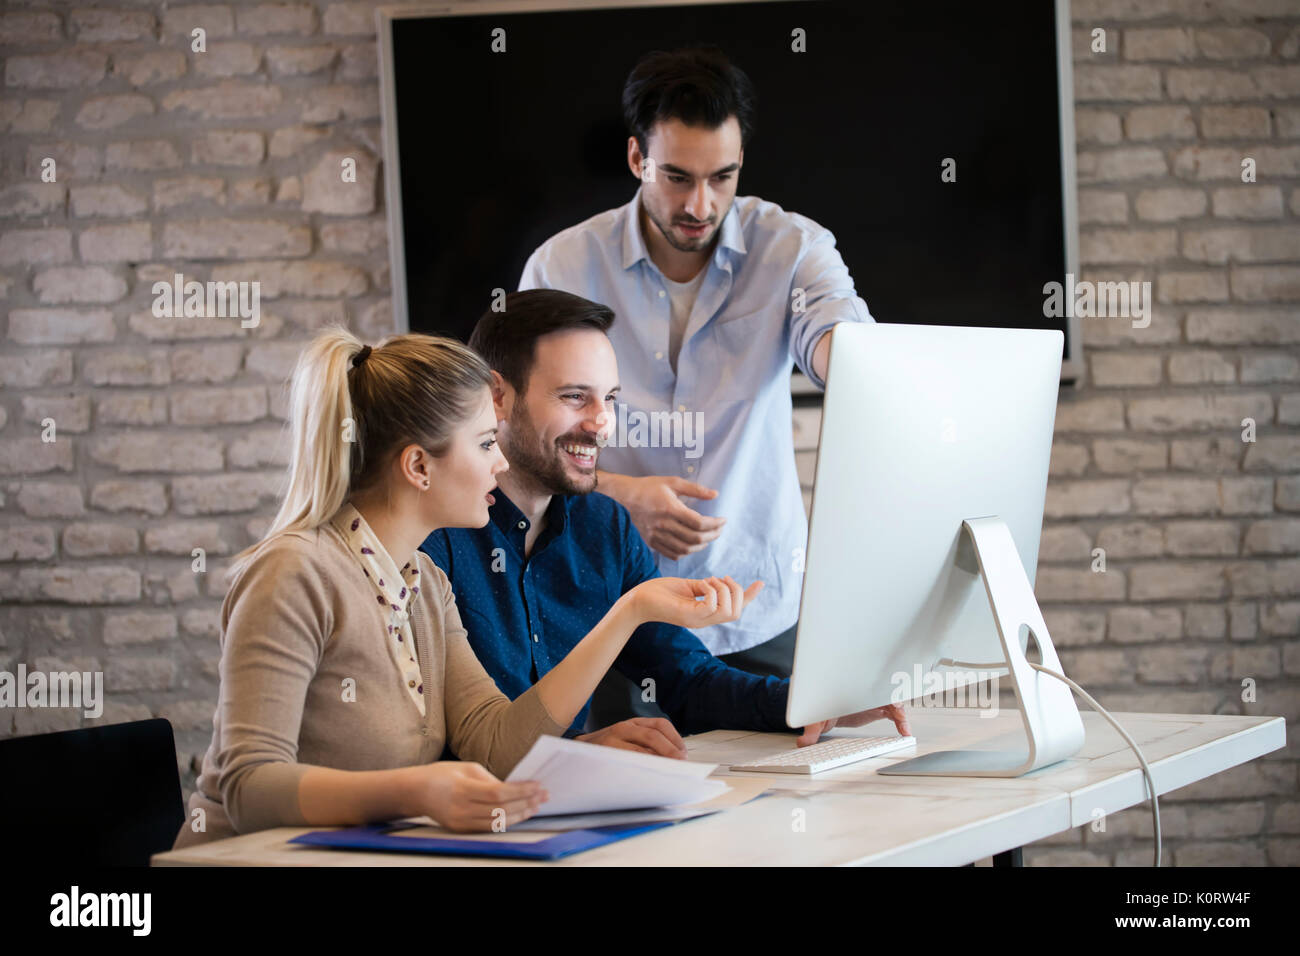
<point>745,352</point>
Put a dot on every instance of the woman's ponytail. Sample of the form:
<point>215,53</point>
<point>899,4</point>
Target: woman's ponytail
<point>322,430</point>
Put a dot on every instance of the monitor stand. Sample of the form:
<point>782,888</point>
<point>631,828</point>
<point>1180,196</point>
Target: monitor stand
<point>1052,724</point>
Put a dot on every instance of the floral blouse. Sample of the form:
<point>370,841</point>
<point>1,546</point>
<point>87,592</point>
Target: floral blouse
<point>394,591</point>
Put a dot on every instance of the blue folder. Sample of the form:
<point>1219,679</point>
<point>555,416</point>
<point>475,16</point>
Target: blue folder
<point>381,836</point>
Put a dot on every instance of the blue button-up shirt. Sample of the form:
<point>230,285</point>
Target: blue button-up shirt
<point>774,285</point>
<point>524,614</point>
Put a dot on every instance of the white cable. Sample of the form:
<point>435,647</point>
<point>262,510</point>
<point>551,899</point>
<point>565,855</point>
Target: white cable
<point>1146,770</point>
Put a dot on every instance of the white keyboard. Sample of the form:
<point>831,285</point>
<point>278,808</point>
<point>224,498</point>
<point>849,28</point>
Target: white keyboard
<point>835,752</point>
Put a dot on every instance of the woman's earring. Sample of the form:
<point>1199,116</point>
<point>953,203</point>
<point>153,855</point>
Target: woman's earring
<point>426,486</point>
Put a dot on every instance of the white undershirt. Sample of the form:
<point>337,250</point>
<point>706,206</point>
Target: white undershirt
<point>682,296</point>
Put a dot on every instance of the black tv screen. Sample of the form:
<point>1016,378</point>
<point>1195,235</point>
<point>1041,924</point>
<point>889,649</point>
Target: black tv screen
<point>497,151</point>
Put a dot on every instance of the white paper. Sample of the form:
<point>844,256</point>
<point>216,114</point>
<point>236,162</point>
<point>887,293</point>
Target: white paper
<point>588,778</point>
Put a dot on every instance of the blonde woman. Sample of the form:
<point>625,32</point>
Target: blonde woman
<point>344,665</point>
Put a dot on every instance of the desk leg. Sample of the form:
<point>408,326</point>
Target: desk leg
<point>1009,858</point>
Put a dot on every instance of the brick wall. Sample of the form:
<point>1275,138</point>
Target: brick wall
<point>224,165</point>
<point>1200,529</point>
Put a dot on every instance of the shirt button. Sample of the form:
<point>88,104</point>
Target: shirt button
<point>522,525</point>
<point>662,293</point>
<point>690,469</point>
<point>535,638</point>
<point>659,355</point>
<point>410,683</point>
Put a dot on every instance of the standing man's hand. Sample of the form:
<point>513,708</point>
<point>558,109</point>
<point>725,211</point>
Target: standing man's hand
<point>669,525</point>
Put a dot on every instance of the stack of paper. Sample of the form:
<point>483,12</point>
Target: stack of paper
<point>588,778</point>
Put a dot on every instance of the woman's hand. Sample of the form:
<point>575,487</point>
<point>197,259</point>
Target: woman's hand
<point>674,600</point>
<point>464,797</point>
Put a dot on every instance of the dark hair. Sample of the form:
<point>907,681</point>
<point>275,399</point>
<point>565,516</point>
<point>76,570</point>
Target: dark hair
<point>697,85</point>
<point>508,340</point>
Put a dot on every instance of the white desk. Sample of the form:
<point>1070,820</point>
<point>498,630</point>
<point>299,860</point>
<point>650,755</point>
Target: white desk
<point>853,815</point>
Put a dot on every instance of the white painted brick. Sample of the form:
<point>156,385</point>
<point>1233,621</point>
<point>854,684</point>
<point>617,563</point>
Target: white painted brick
<point>148,497</point>
<point>1201,366</point>
<point>1160,122</point>
<point>1128,456</point>
<point>61,326</point>
<point>1266,284</point>
<point>1192,287</point>
<point>275,19</point>
<point>1134,539</point>
<point>1249,201</point>
<point>1115,369</point>
<point>1175,496</point>
<point>48,499</point>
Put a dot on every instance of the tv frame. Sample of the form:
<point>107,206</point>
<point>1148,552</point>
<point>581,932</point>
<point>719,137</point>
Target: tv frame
<point>1071,367</point>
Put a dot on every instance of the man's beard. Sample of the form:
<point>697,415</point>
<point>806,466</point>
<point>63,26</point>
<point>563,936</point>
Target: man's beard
<point>692,245</point>
<point>540,465</point>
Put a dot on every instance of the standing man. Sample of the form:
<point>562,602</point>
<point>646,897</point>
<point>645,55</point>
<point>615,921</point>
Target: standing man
<point>720,295</point>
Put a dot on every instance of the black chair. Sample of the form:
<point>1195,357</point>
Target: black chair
<point>99,796</point>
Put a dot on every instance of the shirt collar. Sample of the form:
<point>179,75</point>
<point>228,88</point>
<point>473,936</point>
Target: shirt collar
<point>506,515</point>
<point>634,248</point>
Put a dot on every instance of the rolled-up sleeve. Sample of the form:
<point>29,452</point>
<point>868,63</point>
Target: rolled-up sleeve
<point>279,617</point>
<point>828,297</point>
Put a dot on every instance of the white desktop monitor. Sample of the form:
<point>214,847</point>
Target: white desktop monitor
<point>924,428</point>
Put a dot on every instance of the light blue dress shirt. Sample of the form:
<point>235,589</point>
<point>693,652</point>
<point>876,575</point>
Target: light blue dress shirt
<point>774,284</point>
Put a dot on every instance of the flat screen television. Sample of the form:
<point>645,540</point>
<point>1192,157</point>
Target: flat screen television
<point>502,126</point>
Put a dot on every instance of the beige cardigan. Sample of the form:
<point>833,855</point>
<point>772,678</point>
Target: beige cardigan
<point>299,622</point>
